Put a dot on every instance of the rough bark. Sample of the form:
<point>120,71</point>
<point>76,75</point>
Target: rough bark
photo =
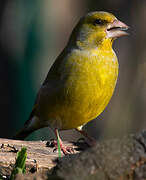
<point>115,159</point>
<point>41,157</point>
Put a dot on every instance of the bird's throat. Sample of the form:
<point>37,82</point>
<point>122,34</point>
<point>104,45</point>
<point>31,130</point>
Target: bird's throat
<point>106,44</point>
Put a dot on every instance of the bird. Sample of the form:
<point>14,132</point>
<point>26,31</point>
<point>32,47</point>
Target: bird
<point>81,82</point>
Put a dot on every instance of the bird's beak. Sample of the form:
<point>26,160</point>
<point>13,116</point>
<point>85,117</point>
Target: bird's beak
<point>116,29</point>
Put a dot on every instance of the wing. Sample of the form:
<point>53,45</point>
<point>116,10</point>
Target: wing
<point>49,91</point>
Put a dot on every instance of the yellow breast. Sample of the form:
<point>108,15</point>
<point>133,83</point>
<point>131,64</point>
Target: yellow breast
<point>88,80</point>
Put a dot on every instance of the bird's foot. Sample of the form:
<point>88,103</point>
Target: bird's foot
<point>89,140</point>
<point>65,149</point>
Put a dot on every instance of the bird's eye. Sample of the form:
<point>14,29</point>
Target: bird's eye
<point>98,22</point>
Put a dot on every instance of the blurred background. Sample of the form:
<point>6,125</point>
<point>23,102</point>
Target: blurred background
<point>33,33</point>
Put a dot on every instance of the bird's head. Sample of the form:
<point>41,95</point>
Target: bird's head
<point>95,28</point>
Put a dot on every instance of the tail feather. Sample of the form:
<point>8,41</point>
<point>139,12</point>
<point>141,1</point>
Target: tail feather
<point>29,126</point>
<point>23,133</point>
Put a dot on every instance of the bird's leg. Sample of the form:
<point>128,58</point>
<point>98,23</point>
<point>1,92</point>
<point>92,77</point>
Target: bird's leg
<point>64,149</point>
<point>90,141</point>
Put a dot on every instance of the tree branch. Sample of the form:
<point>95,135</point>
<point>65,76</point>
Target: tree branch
<point>115,159</point>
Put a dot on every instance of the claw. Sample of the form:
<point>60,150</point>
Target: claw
<point>64,149</point>
<point>81,140</point>
<point>90,141</point>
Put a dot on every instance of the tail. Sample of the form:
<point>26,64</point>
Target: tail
<point>30,126</point>
<point>23,133</point>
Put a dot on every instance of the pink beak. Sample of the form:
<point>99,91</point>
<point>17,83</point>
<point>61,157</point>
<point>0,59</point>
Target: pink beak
<point>116,29</point>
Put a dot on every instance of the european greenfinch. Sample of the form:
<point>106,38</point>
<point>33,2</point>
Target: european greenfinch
<point>82,79</point>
